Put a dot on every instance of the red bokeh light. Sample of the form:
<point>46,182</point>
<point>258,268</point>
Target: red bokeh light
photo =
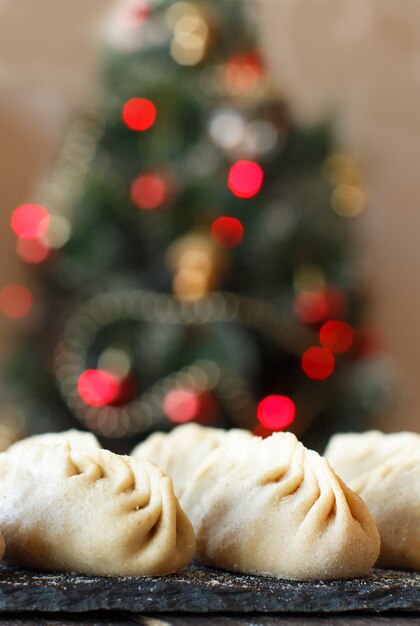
<point>141,11</point>
<point>227,231</point>
<point>29,221</point>
<point>181,405</point>
<point>139,113</point>
<point>312,307</point>
<point>16,301</point>
<point>318,363</point>
<point>32,250</point>
<point>133,16</point>
<point>276,412</point>
<point>245,178</point>
<point>97,387</point>
<point>243,71</point>
<point>337,336</point>
<point>148,191</point>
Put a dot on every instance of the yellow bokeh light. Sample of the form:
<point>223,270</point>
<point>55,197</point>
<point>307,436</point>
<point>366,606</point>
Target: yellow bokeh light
<point>348,200</point>
<point>188,49</point>
<point>190,33</point>
<point>191,284</point>
<point>343,169</point>
<point>179,10</point>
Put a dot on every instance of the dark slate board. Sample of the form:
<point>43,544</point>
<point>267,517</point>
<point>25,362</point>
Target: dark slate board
<point>202,590</point>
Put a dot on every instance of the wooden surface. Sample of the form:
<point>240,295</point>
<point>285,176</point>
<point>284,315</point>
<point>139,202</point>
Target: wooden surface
<point>200,590</point>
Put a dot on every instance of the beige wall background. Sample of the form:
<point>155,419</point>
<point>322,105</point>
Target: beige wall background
<point>359,59</point>
<point>48,70</point>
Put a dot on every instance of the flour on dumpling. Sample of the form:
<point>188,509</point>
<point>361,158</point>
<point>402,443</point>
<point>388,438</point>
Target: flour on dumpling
<point>181,451</point>
<point>91,511</point>
<point>353,454</point>
<point>384,469</point>
<point>74,438</point>
<point>273,507</point>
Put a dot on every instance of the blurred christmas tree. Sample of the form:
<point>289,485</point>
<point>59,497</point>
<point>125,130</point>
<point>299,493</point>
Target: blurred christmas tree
<point>193,247</point>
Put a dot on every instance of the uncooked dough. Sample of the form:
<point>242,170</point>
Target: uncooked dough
<point>272,507</point>
<point>384,469</point>
<point>181,451</point>
<point>92,512</point>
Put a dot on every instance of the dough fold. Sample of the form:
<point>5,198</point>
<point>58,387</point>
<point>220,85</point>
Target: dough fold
<point>181,451</point>
<point>92,512</point>
<point>75,438</point>
<point>273,507</point>
<point>384,469</point>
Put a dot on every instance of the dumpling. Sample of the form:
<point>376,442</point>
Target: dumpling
<point>272,507</point>
<point>92,512</point>
<point>75,438</point>
<point>353,454</point>
<point>179,452</point>
<point>385,471</point>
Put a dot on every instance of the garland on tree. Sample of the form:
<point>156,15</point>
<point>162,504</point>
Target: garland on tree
<point>196,255</point>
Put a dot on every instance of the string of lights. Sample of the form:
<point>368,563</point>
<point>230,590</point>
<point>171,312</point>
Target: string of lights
<point>84,388</point>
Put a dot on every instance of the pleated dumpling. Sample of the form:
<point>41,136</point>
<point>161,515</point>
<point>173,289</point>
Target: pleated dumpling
<point>385,471</point>
<point>75,438</point>
<point>353,454</point>
<point>180,452</point>
<point>272,507</point>
<point>91,511</point>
